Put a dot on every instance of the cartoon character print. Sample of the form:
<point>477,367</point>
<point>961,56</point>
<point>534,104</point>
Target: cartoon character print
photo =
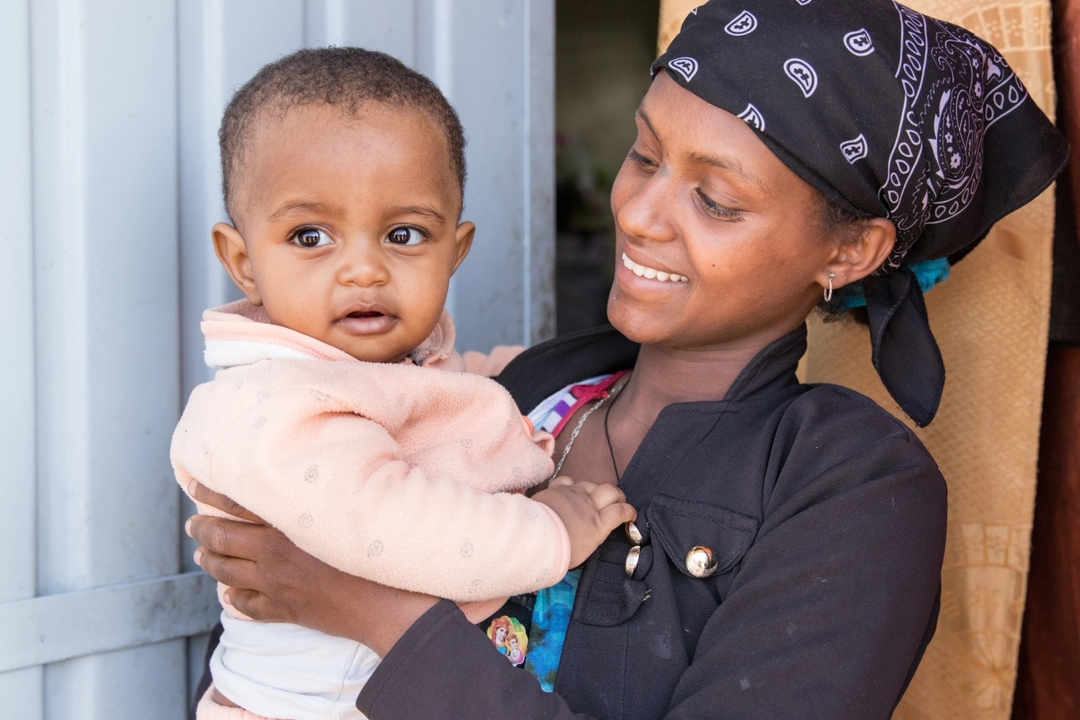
<point>514,652</point>
<point>510,638</point>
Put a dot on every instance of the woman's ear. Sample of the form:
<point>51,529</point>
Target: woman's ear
<point>855,260</point>
<point>463,241</point>
<point>233,254</point>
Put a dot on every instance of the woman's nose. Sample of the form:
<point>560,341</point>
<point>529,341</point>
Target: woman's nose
<point>644,210</point>
<point>362,264</point>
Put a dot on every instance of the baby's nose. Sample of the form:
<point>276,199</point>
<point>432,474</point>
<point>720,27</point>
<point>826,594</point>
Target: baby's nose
<point>364,267</point>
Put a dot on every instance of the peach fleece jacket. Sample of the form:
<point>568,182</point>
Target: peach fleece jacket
<point>401,473</point>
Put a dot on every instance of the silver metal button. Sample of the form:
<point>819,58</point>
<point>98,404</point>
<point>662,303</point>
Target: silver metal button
<point>633,533</point>
<point>700,561</point>
<point>632,558</point>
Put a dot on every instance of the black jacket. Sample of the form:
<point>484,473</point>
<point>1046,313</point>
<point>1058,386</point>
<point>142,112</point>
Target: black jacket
<point>826,517</point>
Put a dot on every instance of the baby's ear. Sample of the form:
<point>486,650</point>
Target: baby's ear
<point>233,253</point>
<point>463,240</point>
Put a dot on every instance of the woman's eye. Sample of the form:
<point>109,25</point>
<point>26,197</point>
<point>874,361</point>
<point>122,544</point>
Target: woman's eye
<point>718,211</point>
<point>405,236</point>
<point>311,238</point>
<point>640,160</point>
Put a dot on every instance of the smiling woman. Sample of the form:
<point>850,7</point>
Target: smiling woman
<point>786,557</point>
<point>723,230</point>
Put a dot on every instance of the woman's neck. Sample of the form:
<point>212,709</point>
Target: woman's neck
<point>665,375</point>
<point>662,376</point>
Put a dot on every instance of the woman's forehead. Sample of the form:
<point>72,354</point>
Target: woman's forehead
<point>698,133</point>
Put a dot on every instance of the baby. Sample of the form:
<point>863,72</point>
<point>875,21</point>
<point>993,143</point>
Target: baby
<point>340,412</point>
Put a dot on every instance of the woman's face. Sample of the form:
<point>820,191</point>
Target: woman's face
<point>702,201</point>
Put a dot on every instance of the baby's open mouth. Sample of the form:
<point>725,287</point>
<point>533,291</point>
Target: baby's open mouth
<point>367,321</point>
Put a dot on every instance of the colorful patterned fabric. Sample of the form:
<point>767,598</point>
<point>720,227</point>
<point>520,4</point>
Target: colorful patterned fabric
<point>551,611</point>
<point>551,617</point>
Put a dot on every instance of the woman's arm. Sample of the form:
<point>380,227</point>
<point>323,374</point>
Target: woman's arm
<point>272,580</point>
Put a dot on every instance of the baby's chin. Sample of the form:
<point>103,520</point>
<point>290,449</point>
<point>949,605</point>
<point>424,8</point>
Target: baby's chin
<point>376,348</point>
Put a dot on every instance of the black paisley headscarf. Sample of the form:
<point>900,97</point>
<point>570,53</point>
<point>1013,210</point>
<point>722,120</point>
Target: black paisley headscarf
<point>889,113</point>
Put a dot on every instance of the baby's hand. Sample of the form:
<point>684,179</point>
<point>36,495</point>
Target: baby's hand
<point>589,511</point>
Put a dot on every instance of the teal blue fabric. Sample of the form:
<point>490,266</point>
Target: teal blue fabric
<point>928,272</point>
<point>551,617</point>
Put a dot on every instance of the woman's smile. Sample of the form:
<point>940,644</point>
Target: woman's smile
<point>651,273</point>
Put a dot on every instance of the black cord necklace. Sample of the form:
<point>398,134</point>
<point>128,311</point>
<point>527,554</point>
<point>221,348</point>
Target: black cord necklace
<point>607,432</point>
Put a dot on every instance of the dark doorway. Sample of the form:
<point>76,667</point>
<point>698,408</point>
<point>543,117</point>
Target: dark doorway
<point>603,49</point>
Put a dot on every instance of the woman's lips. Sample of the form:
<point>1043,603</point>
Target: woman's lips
<point>367,322</point>
<point>652,273</point>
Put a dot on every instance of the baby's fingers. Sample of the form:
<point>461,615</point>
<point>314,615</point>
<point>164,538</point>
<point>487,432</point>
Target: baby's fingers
<point>617,514</point>
<point>606,494</point>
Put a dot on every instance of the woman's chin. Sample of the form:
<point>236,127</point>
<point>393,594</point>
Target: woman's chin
<point>637,324</point>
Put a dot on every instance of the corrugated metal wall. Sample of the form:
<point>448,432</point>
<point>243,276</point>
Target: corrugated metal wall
<point>109,184</point>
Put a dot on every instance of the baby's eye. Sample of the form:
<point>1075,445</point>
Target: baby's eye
<point>311,238</point>
<point>405,236</point>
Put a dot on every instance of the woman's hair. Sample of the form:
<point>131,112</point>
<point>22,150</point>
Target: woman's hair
<point>843,226</point>
<point>839,223</point>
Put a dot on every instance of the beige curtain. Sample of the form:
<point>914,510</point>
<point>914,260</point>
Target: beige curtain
<point>990,319</point>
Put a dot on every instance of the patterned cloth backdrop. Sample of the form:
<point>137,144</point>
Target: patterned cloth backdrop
<point>990,318</point>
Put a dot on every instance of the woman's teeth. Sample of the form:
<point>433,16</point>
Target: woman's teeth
<point>652,273</point>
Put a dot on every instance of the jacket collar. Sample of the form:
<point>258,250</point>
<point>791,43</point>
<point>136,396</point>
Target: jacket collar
<point>241,334</point>
<point>771,369</point>
<point>545,369</point>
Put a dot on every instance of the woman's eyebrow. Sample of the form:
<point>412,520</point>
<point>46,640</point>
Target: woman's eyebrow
<point>731,165</point>
<point>648,123</point>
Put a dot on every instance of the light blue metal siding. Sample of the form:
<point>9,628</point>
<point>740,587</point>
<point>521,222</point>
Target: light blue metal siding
<point>109,183</point>
<point>18,567</point>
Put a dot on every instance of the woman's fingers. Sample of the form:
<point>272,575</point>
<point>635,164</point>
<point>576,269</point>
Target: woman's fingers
<point>231,538</point>
<point>256,605</point>
<point>231,571</point>
<point>201,493</point>
<point>561,481</point>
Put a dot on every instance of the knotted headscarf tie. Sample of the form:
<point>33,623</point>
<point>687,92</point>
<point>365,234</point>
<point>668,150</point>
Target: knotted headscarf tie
<point>889,113</point>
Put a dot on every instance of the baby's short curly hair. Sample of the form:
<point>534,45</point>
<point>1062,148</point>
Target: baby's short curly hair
<point>344,77</point>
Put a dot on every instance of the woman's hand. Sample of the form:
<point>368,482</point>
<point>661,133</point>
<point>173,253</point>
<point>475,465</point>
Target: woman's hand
<point>272,580</point>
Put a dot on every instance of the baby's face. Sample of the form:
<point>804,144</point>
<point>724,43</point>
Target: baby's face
<point>348,227</point>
